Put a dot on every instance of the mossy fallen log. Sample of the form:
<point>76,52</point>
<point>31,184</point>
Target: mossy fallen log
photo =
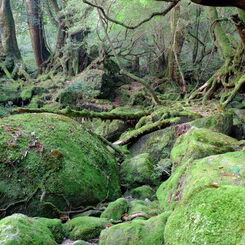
<point>135,134</point>
<point>87,114</point>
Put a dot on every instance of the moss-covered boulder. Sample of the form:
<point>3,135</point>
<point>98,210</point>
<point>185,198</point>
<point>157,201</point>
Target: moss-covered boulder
<point>85,228</point>
<point>19,229</point>
<point>112,130</point>
<point>211,216</point>
<point>50,163</point>
<point>143,209</point>
<point>55,226</point>
<point>99,81</point>
<point>199,143</point>
<point>208,199</point>
<point>116,209</point>
<point>137,232</point>
<point>138,170</point>
<point>221,122</point>
<point>210,173</point>
<point>143,192</point>
<point>158,144</point>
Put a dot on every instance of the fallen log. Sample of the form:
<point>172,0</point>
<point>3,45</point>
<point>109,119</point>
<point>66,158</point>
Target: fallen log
<point>137,133</point>
<point>124,116</point>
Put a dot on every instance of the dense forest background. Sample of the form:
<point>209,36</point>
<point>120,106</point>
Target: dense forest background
<point>198,50</point>
<point>122,122</point>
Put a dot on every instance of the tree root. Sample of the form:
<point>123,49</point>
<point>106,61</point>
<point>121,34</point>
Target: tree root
<point>238,86</point>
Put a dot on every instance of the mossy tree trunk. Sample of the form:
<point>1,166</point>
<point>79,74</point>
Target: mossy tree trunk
<point>178,38</point>
<point>70,57</point>
<point>229,78</point>
<point>35,22</point>
<point>9,47</point>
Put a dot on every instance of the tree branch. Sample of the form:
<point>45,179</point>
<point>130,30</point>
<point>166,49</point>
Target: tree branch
<point>162,13</point>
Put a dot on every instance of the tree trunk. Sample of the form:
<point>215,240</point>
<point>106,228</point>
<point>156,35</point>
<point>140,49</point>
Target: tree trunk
<point>178,38</point>
<point>9,44</point>
<point>35,23</point>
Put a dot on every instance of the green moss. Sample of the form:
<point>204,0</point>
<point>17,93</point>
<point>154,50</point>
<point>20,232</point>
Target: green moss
<point>212,216</point>
<point>79,242</point>
<point>85,228</point>
<point>44,155</point>
<point>19,229</point>
<point>137,232</point>
<point>199,143</point>
<point>55,226</point>
<point>158,144</point>
<point>207,173</point>
<point>143,192</point>
<point>5,110</point>
<point>137,171</point>
<point>9,91</point>
<point>145,208</point>
<point>221,123</point>
<point>111,130</point>
<point>116,209</point>
<point>26,94</point>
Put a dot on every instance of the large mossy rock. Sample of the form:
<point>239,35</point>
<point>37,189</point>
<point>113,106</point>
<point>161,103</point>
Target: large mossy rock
<point>112,130</point>
<point>137,171</point>
<point>221,122</point>
<point>158,144</point>
<point>85,228</point>
<point>137,232</point>
<point>212,216</point>
<point>208,199</point>
<point>19,229</point>
<point>199,143</point>
<point>50,163</point>
<point>210,173</point>
<point>99,81</point>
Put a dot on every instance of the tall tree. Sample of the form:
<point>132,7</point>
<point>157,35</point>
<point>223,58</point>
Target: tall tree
<point>35,22</point>
<point>9,44</point>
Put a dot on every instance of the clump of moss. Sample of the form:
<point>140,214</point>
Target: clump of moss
<point>26,94</point>
<point>19,229</point>
<point>44,155</point>
<point>85,228</point>
<point>116,209</point>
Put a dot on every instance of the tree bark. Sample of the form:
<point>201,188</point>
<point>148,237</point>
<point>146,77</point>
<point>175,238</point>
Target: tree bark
<point>8,33</point>
<point>35,23</point>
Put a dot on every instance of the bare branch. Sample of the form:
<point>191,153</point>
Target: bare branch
<point>162,13</point>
